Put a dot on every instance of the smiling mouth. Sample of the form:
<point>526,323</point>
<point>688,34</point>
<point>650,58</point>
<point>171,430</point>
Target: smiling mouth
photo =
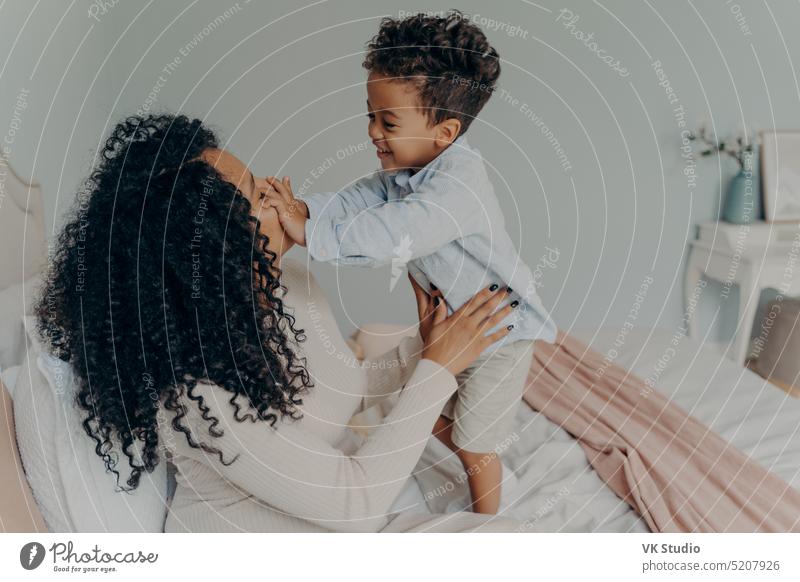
<point>383,153</point>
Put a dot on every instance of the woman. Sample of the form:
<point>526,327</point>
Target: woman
<point>190,335</point>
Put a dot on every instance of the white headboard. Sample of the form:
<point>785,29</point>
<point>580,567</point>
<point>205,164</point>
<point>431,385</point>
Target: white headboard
<point>22,255</point>
<point>23,252</point>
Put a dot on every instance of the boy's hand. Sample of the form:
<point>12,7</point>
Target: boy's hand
<point>292,213</point>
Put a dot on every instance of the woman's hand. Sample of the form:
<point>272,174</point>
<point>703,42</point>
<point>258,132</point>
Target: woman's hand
<point>426,303</point>
<point>454,342</point>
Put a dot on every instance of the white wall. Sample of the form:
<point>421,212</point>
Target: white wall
<point>49,124</point>
<point>287,91</point>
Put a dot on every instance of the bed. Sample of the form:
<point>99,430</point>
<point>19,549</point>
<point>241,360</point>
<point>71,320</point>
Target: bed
<point>555,488</point>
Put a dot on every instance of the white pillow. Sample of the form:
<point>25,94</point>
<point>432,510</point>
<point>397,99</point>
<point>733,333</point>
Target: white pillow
<point>9,378</point>
<point>69,481</point>
<point>15,302</point>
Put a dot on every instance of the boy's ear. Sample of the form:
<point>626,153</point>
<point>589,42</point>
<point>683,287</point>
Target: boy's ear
<point>447,131</point>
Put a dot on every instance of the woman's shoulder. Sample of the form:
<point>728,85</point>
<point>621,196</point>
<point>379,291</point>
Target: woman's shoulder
<point>293,269</point>
<point>210,405</point>
<point>301,285</point>
<point>205,399</point>
<point>298,276</point>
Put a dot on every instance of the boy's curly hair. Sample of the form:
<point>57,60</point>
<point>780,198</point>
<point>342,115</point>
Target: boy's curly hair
<point>448,58</point>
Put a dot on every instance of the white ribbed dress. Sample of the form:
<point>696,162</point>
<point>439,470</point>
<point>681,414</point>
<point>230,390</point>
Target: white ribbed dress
<point>298,476</point>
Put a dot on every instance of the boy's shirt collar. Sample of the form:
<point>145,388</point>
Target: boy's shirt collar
<point>404,178</point>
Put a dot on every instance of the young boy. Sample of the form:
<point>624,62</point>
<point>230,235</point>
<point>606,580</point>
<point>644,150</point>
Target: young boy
<point>432,204</point>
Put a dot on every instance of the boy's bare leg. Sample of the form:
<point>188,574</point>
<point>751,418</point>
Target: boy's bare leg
<point>485,475</point>
<point>443,430</point>
<point>484,470</point>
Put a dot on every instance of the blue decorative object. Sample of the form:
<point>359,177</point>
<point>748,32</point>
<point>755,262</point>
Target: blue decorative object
<point>742,200</point>
<point>742,204</point>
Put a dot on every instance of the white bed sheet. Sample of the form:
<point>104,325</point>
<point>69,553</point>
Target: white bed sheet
<point>557,490</point>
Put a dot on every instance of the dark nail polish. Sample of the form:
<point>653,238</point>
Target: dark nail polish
<point>514,303</point>
<point>509,290</point>
<point>434,287</point>
<point>510,327</point>
<point>436,301</point>
<point>494,287</point>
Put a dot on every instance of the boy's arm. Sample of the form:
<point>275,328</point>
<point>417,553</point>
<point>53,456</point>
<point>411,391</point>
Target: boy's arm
<point>364,193</point>
<point>299,214</point>
<point>440,211</point>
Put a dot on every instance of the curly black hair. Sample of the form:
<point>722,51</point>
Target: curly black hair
<point>160,280</point>
<point>448,58</point>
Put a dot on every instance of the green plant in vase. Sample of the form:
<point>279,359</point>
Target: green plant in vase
<point>742,203</point>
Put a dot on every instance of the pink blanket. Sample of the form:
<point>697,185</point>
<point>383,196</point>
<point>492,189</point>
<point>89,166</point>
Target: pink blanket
<point>674,471</point>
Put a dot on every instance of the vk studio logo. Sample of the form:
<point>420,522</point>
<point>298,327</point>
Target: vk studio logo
<point>31,555</point>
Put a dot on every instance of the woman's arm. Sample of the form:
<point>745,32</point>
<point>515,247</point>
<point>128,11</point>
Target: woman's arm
<point>388,373</point>
<point>294,471</point>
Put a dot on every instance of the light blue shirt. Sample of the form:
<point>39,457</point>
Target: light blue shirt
<point>444,223</point>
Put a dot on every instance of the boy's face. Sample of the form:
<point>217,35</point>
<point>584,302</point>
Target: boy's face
<point>398,126</point>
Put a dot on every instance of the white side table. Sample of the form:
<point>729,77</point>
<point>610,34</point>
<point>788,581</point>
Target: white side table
<point>752,268</point>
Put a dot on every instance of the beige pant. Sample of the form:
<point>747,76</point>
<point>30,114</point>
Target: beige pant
<point>489,391</point>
